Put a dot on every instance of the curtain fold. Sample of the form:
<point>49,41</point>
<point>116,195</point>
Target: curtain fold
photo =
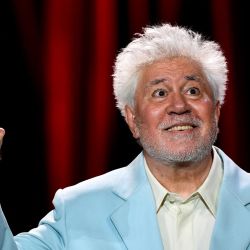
<point>61,35</point>
<point>222,23</point>
<point>101,106</point>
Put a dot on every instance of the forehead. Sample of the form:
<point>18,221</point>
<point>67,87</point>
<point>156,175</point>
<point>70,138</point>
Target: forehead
<point>173,68</point>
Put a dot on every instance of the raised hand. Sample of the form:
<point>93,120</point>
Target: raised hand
<point>2,132</point>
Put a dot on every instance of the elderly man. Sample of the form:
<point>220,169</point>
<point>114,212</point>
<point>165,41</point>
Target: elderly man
<point>181,192</point>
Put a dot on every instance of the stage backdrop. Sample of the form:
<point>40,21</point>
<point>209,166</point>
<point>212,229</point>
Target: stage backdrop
<point>57,105</point>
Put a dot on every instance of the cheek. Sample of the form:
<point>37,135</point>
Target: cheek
<point>150,115</point>
<point>207,112</point>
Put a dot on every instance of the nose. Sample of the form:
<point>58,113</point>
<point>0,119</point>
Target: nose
<point>177,104</point>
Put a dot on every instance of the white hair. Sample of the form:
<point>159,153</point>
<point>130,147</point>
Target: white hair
<point>166,41</point>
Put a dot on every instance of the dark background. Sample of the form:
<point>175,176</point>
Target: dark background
<point>56,101</point>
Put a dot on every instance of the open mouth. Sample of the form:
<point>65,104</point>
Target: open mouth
<point>180,128</point>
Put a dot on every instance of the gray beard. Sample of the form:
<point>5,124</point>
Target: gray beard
<point>197,153</point>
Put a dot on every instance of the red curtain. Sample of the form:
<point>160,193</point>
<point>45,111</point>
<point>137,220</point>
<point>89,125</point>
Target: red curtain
<point>70,47</point>
<point>100,117</point>
<point>222,23</point>
<point>61,45</point>
<point>64,42</point>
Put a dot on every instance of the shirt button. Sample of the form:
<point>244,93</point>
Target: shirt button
<point>171,199</point>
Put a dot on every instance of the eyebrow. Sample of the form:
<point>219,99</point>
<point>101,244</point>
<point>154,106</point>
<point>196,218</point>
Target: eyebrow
<point>157,81</point>
<point>187,77</point>
<point>192,78</point>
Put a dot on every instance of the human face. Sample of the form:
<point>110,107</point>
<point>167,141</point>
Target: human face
<point>175,116</point>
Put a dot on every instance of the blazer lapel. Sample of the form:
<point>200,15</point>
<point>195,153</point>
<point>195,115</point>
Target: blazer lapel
<point>232,227</point>
<point>135,220</point>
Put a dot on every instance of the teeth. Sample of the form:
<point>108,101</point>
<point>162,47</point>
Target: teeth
<point>180,128</point>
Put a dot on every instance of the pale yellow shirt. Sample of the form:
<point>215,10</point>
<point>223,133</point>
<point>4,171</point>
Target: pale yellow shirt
<point>187,224</point>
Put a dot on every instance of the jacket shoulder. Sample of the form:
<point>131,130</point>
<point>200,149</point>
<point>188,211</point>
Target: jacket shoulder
<point>236,179</point>
<point>120,181</point>
<point>97,185</point>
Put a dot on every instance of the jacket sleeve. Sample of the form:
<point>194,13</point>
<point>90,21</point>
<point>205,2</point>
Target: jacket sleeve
<point>50,233</point>
<point>6,238</point>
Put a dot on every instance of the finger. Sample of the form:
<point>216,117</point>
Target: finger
<point>2,132</point>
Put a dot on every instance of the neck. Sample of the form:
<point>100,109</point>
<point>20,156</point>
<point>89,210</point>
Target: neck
<point>180,178</point>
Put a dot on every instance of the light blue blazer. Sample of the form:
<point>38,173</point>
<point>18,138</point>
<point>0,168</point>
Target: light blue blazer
<point>116,211</point>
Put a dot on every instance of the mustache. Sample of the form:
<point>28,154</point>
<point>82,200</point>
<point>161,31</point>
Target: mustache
<point>180,120</point>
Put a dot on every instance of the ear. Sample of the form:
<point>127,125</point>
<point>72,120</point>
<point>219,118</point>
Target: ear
<point>217,110</point>
<point>130,120</point>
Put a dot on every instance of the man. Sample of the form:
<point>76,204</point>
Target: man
<point>181,192</point>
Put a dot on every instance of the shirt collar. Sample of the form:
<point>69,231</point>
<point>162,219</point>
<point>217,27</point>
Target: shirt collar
<point>208,191</point>
<point>158,190</point>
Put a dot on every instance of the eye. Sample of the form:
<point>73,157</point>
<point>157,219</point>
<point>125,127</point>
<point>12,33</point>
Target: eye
<point>193,91</point>
<point>159,93</point>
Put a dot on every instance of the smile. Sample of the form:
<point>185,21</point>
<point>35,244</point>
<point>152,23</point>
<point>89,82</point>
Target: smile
<point>180,128</point>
